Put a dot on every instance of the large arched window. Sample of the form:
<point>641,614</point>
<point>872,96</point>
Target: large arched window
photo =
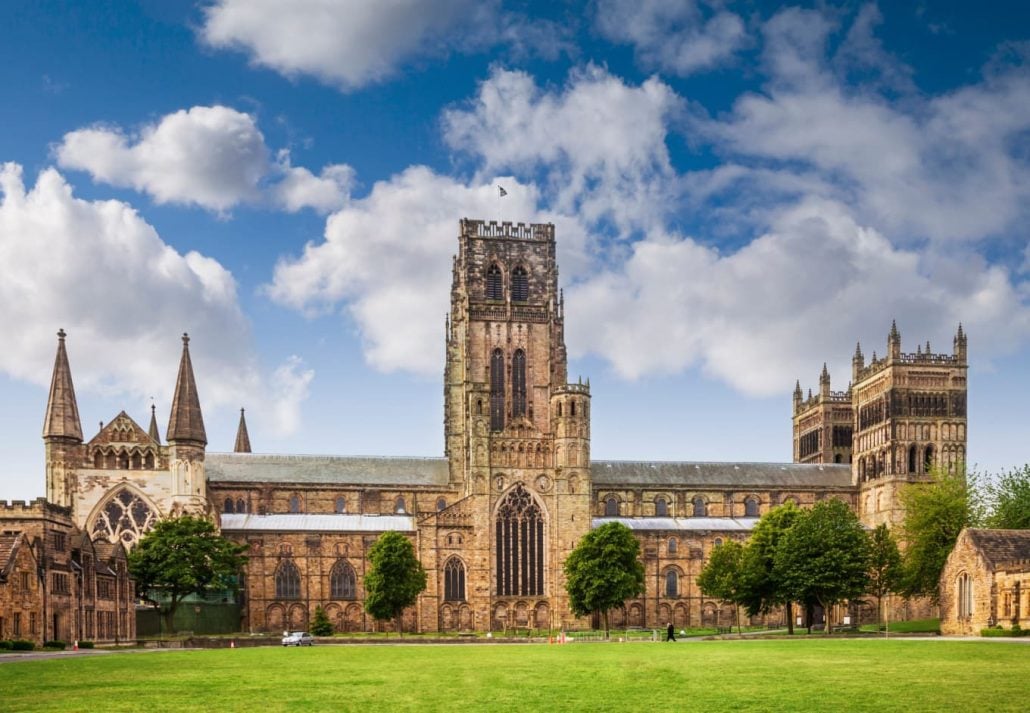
<point>342,581</point>
<point>519,285</point>
<point>454,580</point>
<point>287,581</point>
<point>912,458</point>
<point>518,383</point>
<point>124,518</point>
<point>494,286</point>
<point>520,545</point>
<point>497,391</point>
<point>672,583</point>
<point>751,507</point>
<point>928,459</point>
<point>661,507</point>
<point>700,509</point>
<point>611,507</point>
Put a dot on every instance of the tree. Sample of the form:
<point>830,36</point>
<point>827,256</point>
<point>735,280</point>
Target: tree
<point>604,571</point>
<point>884,566</point>
<point>722,576</point>
<point>824,556</point>
<point>182,556</point>
<point>761,589</point>
<point>320,624</point>
<point>935,513</point>
<point>1009,499</point>
<point>395,578</point>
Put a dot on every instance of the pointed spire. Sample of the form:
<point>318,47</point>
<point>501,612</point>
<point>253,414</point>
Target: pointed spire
<point>62,411</point>
<point>797,388</point>
<point>928,346</point>
<point>894,334</point>
<point>242,437</point>
<point>825,375</point>
<point>858,351</point>
<point>186,423</point>
<point>154,433</point>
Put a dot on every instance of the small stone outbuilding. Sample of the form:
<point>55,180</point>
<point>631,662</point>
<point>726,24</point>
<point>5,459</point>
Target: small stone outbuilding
<point>986,582</point>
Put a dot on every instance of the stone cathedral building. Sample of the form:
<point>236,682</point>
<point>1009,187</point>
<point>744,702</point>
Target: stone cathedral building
<point>494,518</point>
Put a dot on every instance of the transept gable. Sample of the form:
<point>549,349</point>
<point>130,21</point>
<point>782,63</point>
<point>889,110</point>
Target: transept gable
<point>122,430</point>
<point>123,445</point>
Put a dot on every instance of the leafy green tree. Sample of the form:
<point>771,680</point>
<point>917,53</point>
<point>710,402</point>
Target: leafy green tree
<point>885,571</point>
<point>935,513</point>
<point>320,624</point>
<point>761,588</point>
<point>604,571</point>
<point>181,556</point>
<point>824,556</point>
<point>1009,499</point>
<point>722,576</point>
<point>395,578</point>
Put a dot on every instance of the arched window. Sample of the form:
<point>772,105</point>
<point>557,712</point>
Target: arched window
<point>241,505</point>
<point>718,541</point>
<point>497,391</point>
<point>751,507</point>
<point>518,383</point>
<point>673,546</point>
<point>661,507</point>
<point>837,458</point>
<point>287,581</point>
<point>125,518</point>
<point>559,413</point>
<point>494,287</point>
<point>98,458</point>
<point>398,505</point>
<point>928,459</point>
<point>454,580</point>
<point>611,507</point>
<point>672,584</point>
<point>228,507</point>
<point>912,458</point>
<point>123,460</point>
<point>294,503</point>
<point>340,505</point>
<point>342,581</point>
<point>441,504</point>
<point>519,545</point>
<point>700,509</point>
<point>519,285</point>
<point>964,600</point>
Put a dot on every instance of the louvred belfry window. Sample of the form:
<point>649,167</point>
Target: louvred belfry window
<point>518,383</point>
<point>494,288</point>
<point>520,545</point>
<point>497,391</point>
<point>519,285</point>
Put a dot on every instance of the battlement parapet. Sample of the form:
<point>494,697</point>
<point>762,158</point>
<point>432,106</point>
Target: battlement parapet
<point>37,507</point>
<point>573,389</point>
<point>928,358</point>
<point>506,229</point>
<point>835,397</point>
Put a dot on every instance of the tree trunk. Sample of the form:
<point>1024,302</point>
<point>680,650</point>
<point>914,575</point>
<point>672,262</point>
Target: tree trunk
<point>169,615</point>
<point>400,625</point>
<point>605,615</point>
<point>736,612</point>
<point>809,612</point>
<point>826,618</point>
<point>879,611</point>
<point>790,618</point>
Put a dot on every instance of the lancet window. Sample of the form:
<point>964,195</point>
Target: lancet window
<point>287,581</point>
<point>454,580</point>
<point>497,391</point>
<point>342,580</point>
<point>518,383</point>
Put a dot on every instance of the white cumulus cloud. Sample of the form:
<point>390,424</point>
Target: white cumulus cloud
<point>97,269</point>
<point>677,37</point>
<point>213,157</point>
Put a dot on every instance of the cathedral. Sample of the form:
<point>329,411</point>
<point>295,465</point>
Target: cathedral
<point>494,518</point>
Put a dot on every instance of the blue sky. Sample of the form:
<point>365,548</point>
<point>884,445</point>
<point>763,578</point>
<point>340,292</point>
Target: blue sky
<point>741,191</point>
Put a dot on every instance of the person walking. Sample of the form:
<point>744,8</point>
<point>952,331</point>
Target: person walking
<point>670,633</point>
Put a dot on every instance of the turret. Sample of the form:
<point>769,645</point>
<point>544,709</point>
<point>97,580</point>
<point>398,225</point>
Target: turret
<point>960,344</point>
<point>242,437</point>
<point>152,431</point>
<point>824,382</point>
<point>797,395</point>
<point>186,435</point>
<point>894,342</point>
<point>62,430</point>
<point>857,362</point>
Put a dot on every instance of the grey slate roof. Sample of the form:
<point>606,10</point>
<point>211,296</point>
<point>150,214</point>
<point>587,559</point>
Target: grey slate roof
<point>716,524</point>
<point>1002,546</point>
<point>317,523</point>
<point>338,470</point>
<point>671,473</point>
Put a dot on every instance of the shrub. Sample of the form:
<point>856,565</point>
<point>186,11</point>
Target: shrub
<point>5,645</point>
<point>85,644</point>
<point>998,631</point>
<point>22,645</point>
<point>55,644</point>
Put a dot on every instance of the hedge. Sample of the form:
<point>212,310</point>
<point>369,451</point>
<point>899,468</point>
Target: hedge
<point>55,644</point>
<point>22,645</point>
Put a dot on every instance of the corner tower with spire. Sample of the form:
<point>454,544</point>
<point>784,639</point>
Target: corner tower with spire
<point>186,437</point>
<point>62,431</point>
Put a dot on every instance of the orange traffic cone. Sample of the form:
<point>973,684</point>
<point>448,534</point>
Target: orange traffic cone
<point>75,645</point>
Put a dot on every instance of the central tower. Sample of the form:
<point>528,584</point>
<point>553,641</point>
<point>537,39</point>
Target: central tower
<point>517,434</point>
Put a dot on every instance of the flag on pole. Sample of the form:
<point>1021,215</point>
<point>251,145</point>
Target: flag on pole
<point>501,191</point>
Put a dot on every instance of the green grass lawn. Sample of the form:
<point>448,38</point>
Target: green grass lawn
<point>786,675</point>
